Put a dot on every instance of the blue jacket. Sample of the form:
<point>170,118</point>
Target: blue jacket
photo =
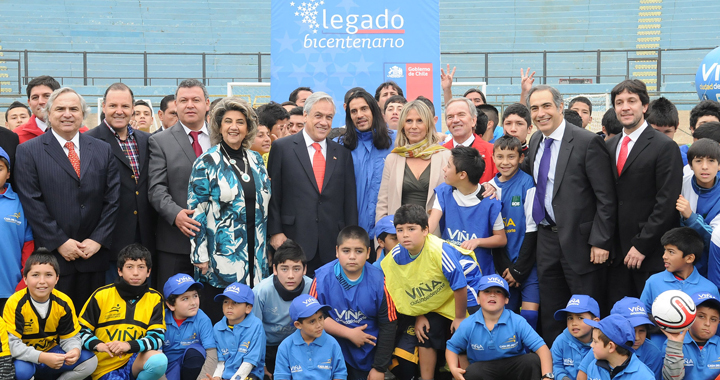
<point>245,342</point>
<point>705,204</point>
<point>665,280</point>
<point>567,353</point>
<point>14,233</point>
<point>322,359</point>
<point>635,370</point>
<point>216,195</point>
<point>196,329</point>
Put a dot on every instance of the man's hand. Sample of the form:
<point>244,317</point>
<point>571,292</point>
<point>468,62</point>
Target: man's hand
<point>203,267</point>
<point>527,80</point>
<point>422,327</point>
<point>683,205</point>
<point>598,255</point>
<point>102,347</point>
<point>510,279</point>
<point>70,250</point>
<point>470,244</point>
<point>277,240</point>
<point>358,337</point>
<point>375,375</point>
<point>634,258</point>
<point>186,224</point>
<point>117,347</point>
<point>446,78</point>
<point>89,247</point>
<point>51,360</point>
<point>72,356</point>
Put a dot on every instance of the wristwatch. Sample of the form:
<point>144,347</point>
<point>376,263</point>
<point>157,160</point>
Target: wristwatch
<point>548,375</point>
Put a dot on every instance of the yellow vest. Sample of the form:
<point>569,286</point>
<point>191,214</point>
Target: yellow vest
<point>420,286</point>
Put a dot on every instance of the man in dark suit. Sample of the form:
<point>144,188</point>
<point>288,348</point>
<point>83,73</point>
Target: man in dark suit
<point>308,204</point>
<point>648,176</point>
<point>135,218</point>
<point>69,185</point>
<point>172,154</point>
<point>574,207</point>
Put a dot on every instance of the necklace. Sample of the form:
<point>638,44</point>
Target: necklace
<point>244,176</point>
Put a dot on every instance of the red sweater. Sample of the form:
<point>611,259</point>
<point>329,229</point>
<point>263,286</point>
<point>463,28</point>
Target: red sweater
<point>486,151</point>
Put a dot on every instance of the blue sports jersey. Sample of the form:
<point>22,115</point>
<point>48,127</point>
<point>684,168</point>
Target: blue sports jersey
<point>451,267</point>
<point>665,280</point>
<point>322,359</point>
<point>245,342</point>
<point>273,311</point>
<point>700,364</point>
<point>459,224</point>
<point>353,307</point>
<point>516,195</point>
<point>510,337</point>
<point>683,153</point>
<point>14,233</point>
<point>635,370</point>
<point>567,353</point>
<point>648,353</point>
<point>196,329</point>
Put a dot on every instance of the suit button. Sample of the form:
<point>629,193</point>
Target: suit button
<point>317,220</point>
<point>135,212</point>
<point>132,176</point>
<point>137,193</point>
<point>82,206</point>
<point>621,203</point>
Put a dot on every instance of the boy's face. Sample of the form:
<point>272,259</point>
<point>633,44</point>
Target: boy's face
<point>312,327</point>
<point>352,255</point>
<point>668,131</point>
<point>41,280</point>
<point>492,299</point>
<point>4,174</point>
<point>705,169</point>
<point>452,177</point>
<point>577,326</point>
<point>584,111</point>
<point>706,323</point>
<point>640,335</point>
<point>134,272</point>
<point>507,162</point>
<point>390,241</point>
<point>600,350</point>
<point>411,236</point>
<point>674,260</point>
<point>235,312</point>
<point>290,273</point>
<point>186,305</point>
<point>516,126</point>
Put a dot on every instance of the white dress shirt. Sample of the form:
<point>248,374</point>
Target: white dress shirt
<point>75,140</point>
<point>203,138</point>
<point>41,124</point>
<point>633,138</point>
<point>467,142</point>
<point>311,151</point>
<point>557,136</point>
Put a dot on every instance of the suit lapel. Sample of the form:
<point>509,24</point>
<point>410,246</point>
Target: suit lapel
<point>330,161</point>
<point>566,148</point>
<point>107,136</point>
<point>301,152</point>
<point>182,138</point>
<point>642,142</point>
<point>142,149</point>
<point>87,154</point>
<point>612,149</point>
<point>53,148</point>
<point>533,149</point>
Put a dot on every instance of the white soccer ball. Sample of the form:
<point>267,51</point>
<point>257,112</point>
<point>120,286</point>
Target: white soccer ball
<point>673,311</point>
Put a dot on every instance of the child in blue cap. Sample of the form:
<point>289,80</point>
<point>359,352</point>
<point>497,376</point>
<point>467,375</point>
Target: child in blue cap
<point>386,236</point>
<point>634,311</point>
<point>573,344</point>
<point>189,342</point>
<point>309,353</point>
<point>496,340</point>
<point>614,357</point>
<point>695,356</point>
<point>240,336</point>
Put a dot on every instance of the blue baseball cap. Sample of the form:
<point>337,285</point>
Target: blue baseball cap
<point>237,292</point>
<point>617,329</point>
<point>702,297</point>
<point>304,306</point>
<point>385,225</point>
<point>494,280</point>
<point>179,284</point>
<point>4,155</point>
<point>633,310</point>
<point>579,303</point>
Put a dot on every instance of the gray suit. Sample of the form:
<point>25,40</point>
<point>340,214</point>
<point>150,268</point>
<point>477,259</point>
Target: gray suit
<point>171,160</point>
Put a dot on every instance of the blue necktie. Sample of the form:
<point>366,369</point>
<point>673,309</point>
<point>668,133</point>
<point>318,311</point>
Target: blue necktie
<point>539,212</point>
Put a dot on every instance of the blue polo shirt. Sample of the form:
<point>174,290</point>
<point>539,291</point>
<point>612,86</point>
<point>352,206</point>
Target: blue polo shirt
<point>567,353</point>
<point>322,359</point>
<point>245,342</point>
<point>14,233</point>
<point>700,364</point>
<point>635,370</point>
<point>665,280</point>
<point>648,353</point>
<point>196,329</point>
<point>510,337</point>
<point>273,311</point>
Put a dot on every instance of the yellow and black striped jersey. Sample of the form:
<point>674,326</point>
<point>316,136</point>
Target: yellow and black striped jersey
<point>107,317</point>
<point>22,320</point>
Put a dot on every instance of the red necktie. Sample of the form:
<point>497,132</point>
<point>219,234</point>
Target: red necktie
<point>622,157</point>
<point>74,159</point>
<point>195,143</point>
<point>318,166</point>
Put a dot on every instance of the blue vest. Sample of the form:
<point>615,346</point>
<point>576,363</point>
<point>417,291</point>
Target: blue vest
<point>354,307</point>
<point>459,224</point>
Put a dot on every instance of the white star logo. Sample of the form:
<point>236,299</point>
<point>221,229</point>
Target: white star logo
<point>292,3</point>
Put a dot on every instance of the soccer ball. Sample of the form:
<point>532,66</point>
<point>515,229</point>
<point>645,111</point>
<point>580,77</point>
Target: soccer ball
<point>673,311</point>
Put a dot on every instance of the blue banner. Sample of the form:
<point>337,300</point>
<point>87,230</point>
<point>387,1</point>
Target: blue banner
<point>707,78</point>
<point>335,45</point>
